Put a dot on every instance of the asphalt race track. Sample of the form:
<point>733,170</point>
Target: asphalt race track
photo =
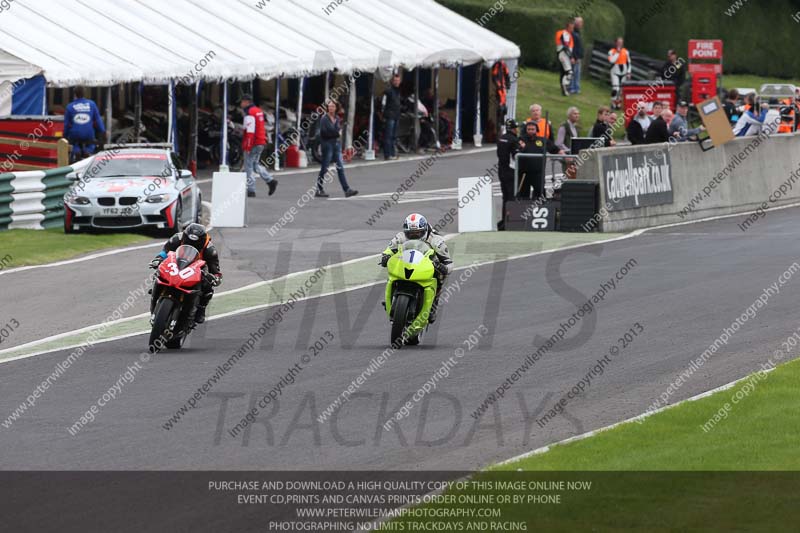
<point>687,284</point>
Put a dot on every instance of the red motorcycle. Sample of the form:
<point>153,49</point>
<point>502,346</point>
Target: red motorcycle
<point>178,292</point>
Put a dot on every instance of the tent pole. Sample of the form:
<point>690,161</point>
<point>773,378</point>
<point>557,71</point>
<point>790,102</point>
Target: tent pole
<point>109,114</point>
<point>457,133</point>
<point>327,85</point>
<point>137,120</point>
<point>192,156</point>
<point>276,140</point>
<point>436,109</point>
<point>478,137</point>
<point>175,145</point>
<point>415,144</point>
<point>170,107</point>
<point>223,149</point>
<point>369,153</point>
<point>300,107</point>
<point>351,117</point>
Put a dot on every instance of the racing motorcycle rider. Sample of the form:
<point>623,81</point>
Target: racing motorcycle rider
<point>416,227</point>
<point>196,236</point>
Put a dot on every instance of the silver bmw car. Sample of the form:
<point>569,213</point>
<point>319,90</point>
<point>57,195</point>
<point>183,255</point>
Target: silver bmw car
<point>132,188</point>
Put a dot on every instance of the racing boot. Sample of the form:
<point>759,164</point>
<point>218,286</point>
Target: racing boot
<point>434,306</point>
<point>200,314</point>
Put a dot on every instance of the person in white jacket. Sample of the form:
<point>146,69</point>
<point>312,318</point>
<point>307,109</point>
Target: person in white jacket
<point>750,123</point>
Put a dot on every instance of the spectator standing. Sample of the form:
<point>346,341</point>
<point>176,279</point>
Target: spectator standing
<point>391,104</point>
<point>253,143</point>
<point>601,128</point>
<point>330,131</point>
<point>83,125</point>
<point>532,169</point>
<point>656,110</point>
<point>658,132</point>
<point>620,61</point>
<point>639,124</point>
<point>731,106</point>
<point>542,124</point>
<point>564,48</point>
<point>679,127</point>
<point>674,71</point>
<point>507,148</point>
<point>568,130</point>
<point>577,53</point>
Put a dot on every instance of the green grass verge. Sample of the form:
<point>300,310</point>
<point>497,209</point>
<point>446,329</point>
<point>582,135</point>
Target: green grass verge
<point>33,247</point>
<point>669,474</point>
<point>759,433</point>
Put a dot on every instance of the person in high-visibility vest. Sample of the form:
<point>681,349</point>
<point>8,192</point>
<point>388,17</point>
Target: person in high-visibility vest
<point>543,126</point>
<point>787,114</point>
<point>564,45</point>
<point>620,61</point>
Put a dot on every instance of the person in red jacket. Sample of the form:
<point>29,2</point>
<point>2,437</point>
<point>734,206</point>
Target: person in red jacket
<point>253,143</point>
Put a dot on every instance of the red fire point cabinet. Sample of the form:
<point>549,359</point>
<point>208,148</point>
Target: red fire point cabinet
<point>647,92</point>
<point>705,68</point>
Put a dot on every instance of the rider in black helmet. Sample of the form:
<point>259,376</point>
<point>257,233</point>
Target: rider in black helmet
<point>195,235</point>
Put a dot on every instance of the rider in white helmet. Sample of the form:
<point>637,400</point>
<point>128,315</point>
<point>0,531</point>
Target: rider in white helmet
<point>416,227</point>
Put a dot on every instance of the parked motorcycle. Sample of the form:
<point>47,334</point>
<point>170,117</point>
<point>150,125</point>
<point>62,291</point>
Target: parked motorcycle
<point>410,291</point>
<point>178,292</point>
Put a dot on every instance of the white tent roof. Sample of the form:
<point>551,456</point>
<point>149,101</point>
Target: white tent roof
<point>97,42</point>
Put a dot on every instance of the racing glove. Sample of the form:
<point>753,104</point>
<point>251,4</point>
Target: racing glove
<point>384,260</point>
<point>213,279</point>
<point>154,264</point>
<point>441,268</point>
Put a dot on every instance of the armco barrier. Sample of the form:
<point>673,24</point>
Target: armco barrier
<point>747,171</point>
<point>34,199</point>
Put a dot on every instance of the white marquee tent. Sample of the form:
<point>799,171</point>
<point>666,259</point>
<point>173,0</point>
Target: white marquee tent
<point>104,42</point>
<point>108,42</point>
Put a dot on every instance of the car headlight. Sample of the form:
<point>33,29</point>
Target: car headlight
<point>157,198</point>
<point>77,200</point>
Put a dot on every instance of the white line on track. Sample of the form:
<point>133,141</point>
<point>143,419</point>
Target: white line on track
<point>452,153</point>
<point>92,256</point>
<point>631,235</point>
<point>264,306</point>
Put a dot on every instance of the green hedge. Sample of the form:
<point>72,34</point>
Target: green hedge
<point>532,24</point>
<point>758,38</point>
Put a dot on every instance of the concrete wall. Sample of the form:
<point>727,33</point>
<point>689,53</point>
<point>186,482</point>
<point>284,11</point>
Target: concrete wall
<point>760,171</point>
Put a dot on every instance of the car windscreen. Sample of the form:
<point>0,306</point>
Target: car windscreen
<point>124,165</point>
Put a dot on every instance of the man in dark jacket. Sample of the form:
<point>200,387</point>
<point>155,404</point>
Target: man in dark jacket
<point>532,169</point>
<point>507,148</point>
<point>638,125</point>
<point>194,235</point>
<point>601,129</point>
<point>674,71</point>
<point>391,115</point>
<point>658,132</point>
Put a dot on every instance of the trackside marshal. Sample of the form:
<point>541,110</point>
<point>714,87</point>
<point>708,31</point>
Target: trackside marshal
<point>637,180</point>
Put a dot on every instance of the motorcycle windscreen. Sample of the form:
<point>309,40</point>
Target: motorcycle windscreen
<point>186,255</point>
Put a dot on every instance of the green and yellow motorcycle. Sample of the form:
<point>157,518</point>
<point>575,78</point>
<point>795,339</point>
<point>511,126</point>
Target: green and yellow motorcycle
<point>410,291</point>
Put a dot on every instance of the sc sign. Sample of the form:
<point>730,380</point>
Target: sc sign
<point>540,218</point>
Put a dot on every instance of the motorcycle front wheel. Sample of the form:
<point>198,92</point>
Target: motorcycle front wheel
<point>163,317</point>
<point>402,304</point>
